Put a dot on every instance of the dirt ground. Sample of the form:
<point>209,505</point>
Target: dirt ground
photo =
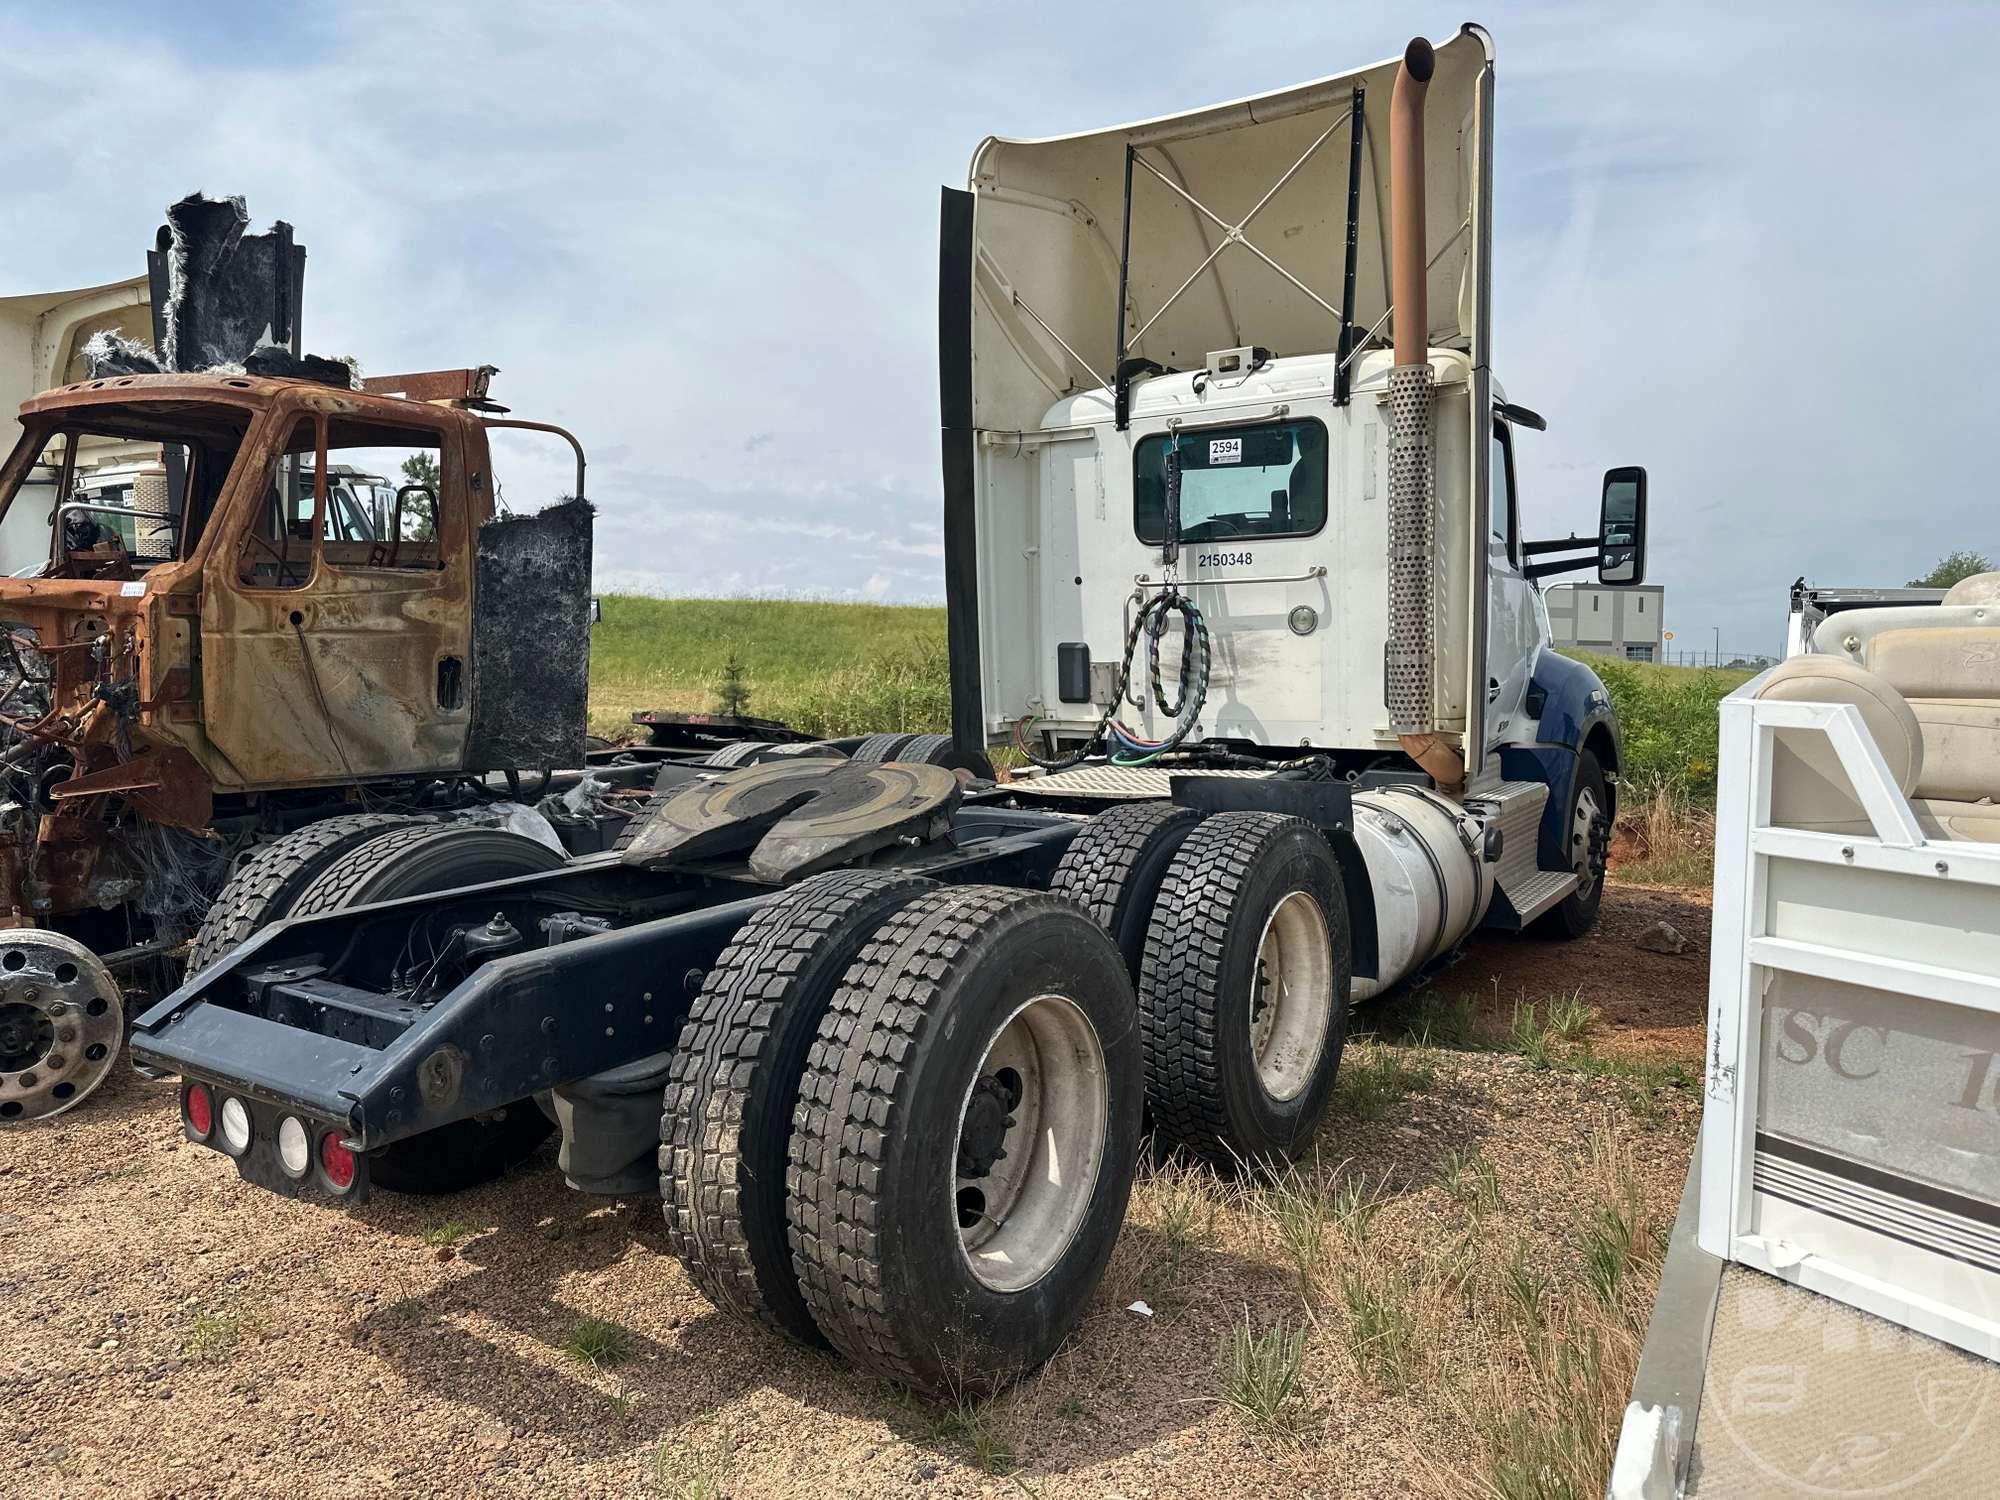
<point>1649,1004</point>
<point>173,1331</point>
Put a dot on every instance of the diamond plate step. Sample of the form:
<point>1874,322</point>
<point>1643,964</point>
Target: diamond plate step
<point>1541,890</point>
<point>1140,783</point>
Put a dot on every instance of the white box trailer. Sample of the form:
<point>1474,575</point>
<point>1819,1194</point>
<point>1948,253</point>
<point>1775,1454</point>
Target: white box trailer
<point>1850,1145</point>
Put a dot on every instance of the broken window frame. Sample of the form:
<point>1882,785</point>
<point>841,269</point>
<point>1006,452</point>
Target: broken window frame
<point>208,442</point>
<point>452,530</point>
<point>280,501</point>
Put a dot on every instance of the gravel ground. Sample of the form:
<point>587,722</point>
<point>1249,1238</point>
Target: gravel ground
<point>174,1331</point>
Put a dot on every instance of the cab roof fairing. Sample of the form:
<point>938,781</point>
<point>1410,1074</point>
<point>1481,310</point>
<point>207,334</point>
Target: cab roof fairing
<point>1048,220</point>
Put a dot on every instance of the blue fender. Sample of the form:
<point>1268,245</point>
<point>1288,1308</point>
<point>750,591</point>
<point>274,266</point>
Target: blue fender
<point>1575,711</point>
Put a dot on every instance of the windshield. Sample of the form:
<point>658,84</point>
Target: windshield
<point>1267,480</point>
<point>122,488</point>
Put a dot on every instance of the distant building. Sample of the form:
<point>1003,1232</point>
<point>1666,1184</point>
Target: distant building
<point>1622,622</point>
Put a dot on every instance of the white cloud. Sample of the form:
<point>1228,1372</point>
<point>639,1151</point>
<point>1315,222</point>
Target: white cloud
<point>1734,243</point>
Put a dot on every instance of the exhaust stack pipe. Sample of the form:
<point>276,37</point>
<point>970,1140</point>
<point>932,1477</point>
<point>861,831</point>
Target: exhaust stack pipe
<point>1409,281</point>
<point>1412,642</point>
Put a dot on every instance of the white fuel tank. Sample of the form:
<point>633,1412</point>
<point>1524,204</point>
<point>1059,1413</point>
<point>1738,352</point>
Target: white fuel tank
<point>1430,880</point>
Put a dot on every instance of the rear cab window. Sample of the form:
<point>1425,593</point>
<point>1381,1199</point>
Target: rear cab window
<point>1263,481</point>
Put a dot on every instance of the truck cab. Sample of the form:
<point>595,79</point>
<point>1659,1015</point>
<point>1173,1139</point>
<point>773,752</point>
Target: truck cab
<point>1283,545</point>
<point>1211,294</point>
<point>252,609</point>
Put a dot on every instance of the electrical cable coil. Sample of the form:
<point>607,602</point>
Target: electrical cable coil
<point>1125,746</point>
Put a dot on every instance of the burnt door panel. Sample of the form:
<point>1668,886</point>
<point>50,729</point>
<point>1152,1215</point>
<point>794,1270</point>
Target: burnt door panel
<point>531,640</point>
<point>321,655</point>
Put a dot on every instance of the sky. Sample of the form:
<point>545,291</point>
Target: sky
<point>1739,244</point>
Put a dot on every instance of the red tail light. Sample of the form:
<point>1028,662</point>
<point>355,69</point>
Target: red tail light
<point>336,1161</point>
<point>200,1110</point>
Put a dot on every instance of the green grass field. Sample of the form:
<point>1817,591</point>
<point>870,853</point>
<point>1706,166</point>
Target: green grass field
<point>834,669</point>
<point>1667,719</point>
<point>1666,797</point>
<point>828,669</point>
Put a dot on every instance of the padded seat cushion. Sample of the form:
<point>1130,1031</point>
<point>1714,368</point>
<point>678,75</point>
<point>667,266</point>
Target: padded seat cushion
<point>1952,662</point>
<point>1974,822</point>
<point>1980,588</point>
<point>1853,632</point>
<point>1810,790</point>
<point>1961,747</point>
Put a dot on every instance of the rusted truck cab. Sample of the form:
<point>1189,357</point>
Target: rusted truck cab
<point>254,634</point>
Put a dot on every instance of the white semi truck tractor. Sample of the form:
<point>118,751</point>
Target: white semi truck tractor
<point>1219,404</point>
<point>1247,586</point>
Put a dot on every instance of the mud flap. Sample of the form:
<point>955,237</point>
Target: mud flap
<point>530,640</point>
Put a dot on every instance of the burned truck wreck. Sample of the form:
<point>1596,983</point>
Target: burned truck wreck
<point>307,609</point>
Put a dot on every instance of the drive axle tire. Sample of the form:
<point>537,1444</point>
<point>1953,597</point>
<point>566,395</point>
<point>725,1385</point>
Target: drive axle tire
<point>1587,842</point>
<point>942,750</point>
<point>264,889</point>
<point>878,748</point>
<point>412,862</point>
<point>1113,869</point>
<point>1243,991</point>
<point>726,1119</point>
<point>738,754</point>
<point>418,860</point>
<point>965,1138</point>
<point>811,749</point>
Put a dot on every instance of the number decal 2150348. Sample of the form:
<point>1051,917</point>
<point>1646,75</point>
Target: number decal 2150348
<point>1222,559</point>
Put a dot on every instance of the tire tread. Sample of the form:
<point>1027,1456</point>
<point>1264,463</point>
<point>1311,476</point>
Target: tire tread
<point>1181,978</point>
<point>1096,870</point>
<point>851,1100</point>
<point>710,1094</point>
<point>262,890</point>
<point>332,886</point>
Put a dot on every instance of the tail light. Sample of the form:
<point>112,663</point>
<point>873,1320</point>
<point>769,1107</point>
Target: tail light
<point>199,1110</point>
<point>235,1122</point>
<point>336,1162</point>
<point>294,1146</point>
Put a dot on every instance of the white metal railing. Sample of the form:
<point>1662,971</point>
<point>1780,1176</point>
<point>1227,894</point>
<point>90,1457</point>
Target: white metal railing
<point>1851,1136</point>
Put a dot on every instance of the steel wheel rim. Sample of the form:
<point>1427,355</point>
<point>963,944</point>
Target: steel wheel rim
<point>1291,996</point>
<point>1582,829</point>
<point>62,1020</point>
<point>1017,1215</point>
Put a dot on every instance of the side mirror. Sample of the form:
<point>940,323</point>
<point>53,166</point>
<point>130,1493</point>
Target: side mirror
<point>1621,528</point>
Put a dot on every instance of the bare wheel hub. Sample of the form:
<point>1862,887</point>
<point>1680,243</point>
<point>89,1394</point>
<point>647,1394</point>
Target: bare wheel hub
<point>1589,841</point>
<point>1291,999</point>
<point>1031,1136</point>
<point>61,1022</point>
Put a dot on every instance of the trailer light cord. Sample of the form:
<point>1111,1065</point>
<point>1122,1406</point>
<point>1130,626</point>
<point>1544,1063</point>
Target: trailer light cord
<point>1126,747</point>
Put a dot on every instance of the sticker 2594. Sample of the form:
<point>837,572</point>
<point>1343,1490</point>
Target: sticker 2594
<point>1225,450</point>
<point>1222,559</point>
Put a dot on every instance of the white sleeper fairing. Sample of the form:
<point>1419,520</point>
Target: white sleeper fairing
<point>1236,239</point>
<point>1167,318</point>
